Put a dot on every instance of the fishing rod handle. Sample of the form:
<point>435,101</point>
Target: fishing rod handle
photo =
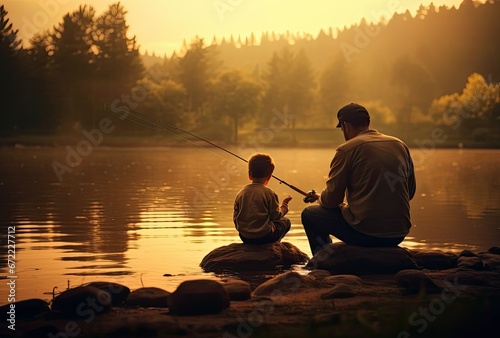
<point>308,199</point>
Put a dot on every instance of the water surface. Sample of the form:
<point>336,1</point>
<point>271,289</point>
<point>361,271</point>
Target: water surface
<point>147,216</point>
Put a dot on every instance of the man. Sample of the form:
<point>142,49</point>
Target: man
<point>374,172</point>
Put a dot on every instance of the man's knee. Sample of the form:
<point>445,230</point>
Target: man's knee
<point>305,215</point>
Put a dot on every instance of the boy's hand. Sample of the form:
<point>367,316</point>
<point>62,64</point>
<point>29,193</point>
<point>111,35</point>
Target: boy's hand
<point>287,199</point>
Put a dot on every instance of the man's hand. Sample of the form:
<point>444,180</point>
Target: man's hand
<point>311,196</point>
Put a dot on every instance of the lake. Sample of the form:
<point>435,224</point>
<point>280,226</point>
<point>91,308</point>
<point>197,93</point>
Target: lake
<point>147,216</point>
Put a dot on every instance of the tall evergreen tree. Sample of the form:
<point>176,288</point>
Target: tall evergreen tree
<point>43,107</point>
<point>235,97</point>
<point>119,65</point>
<point>334,88</point>
<point>289,85</point>
<point>74,60</point>
<point>10,70</point>
<point>301,87</point>
<point>193,70</point>
<point>274,97</point>
<point>414,86</point>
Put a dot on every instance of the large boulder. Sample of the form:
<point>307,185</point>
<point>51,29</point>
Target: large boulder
<point>118,292</point>
<point>491,261</point>
<point>341,258</point>
<point>434,259</point>
<point>286,283</point>
<point>238,289</point>
<point>82,301</point>
<point>340,290</point>
<point>416,281</point>
<point>148,297</point>
<point>250,257</point>
<point>198,297</point>
<point>29,308</point>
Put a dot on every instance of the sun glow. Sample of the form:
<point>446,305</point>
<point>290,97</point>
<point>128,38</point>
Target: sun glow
<point>162,26</point>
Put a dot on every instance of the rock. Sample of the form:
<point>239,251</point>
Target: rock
<point>340,290</point>
<point>341,258</point>
<point>416,281</point>
<point>43,331</point>
<point>494,250</point>
<point>434,259</point>
<point>148,297</point>
<point>238,289</point>
<point>345,279</point>
<point>198,297</point>
<point>82,301</point>
<point>29,308</point>
<point>467,253</point>
<point>470,277</point>
<point>491,261</point>
<point>118,292</point>
<point>249,257</point>
<point>286,283</point>
<point>319,274</point>
<point>473,263</point>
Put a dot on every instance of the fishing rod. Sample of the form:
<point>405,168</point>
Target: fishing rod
<point>147,122</point>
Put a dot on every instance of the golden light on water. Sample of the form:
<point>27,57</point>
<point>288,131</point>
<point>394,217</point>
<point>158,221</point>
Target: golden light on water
<point>149,232</point>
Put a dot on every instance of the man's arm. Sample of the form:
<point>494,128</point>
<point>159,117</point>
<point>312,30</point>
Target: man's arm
<point>334,192</point>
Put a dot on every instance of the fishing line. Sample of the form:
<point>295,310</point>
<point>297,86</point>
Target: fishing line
<point>149,123</point>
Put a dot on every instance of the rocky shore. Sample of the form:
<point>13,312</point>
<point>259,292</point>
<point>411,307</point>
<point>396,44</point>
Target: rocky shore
<point>275,290</point>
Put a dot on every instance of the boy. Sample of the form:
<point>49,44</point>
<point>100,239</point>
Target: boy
<point>258,216</point>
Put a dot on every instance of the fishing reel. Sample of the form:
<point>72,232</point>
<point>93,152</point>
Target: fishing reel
<point>309,197</point>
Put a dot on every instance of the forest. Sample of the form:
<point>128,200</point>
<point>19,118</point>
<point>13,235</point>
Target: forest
<point>433,76</point>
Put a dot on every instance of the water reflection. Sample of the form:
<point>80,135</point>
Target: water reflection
<point>465,178</point>
<point>133,215</point>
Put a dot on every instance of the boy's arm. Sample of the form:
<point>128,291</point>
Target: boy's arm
<point>276,210</point>
<point>284,205</point>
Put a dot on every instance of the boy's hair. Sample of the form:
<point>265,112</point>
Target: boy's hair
<point>260,165</point>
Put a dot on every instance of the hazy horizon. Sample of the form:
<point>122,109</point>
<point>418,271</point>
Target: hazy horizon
<point>162,28</point>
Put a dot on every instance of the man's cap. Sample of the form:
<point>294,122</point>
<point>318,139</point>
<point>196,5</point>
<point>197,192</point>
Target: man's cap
<point>353,113</point>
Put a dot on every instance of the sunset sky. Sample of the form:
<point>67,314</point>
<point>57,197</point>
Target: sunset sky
<point>161,25</point>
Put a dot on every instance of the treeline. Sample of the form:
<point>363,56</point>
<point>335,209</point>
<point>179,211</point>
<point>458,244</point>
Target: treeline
<point>437,68</point>
<point>66,74</point>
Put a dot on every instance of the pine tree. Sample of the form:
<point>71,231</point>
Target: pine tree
<point>193,70</point>
<point>73,65</point>
<point>334,88</point>
<point>10,68</point>
<point>119,65</point>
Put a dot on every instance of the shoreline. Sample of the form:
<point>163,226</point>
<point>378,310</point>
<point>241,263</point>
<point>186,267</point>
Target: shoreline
<point>149,140</point>
<point>460,301</point>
